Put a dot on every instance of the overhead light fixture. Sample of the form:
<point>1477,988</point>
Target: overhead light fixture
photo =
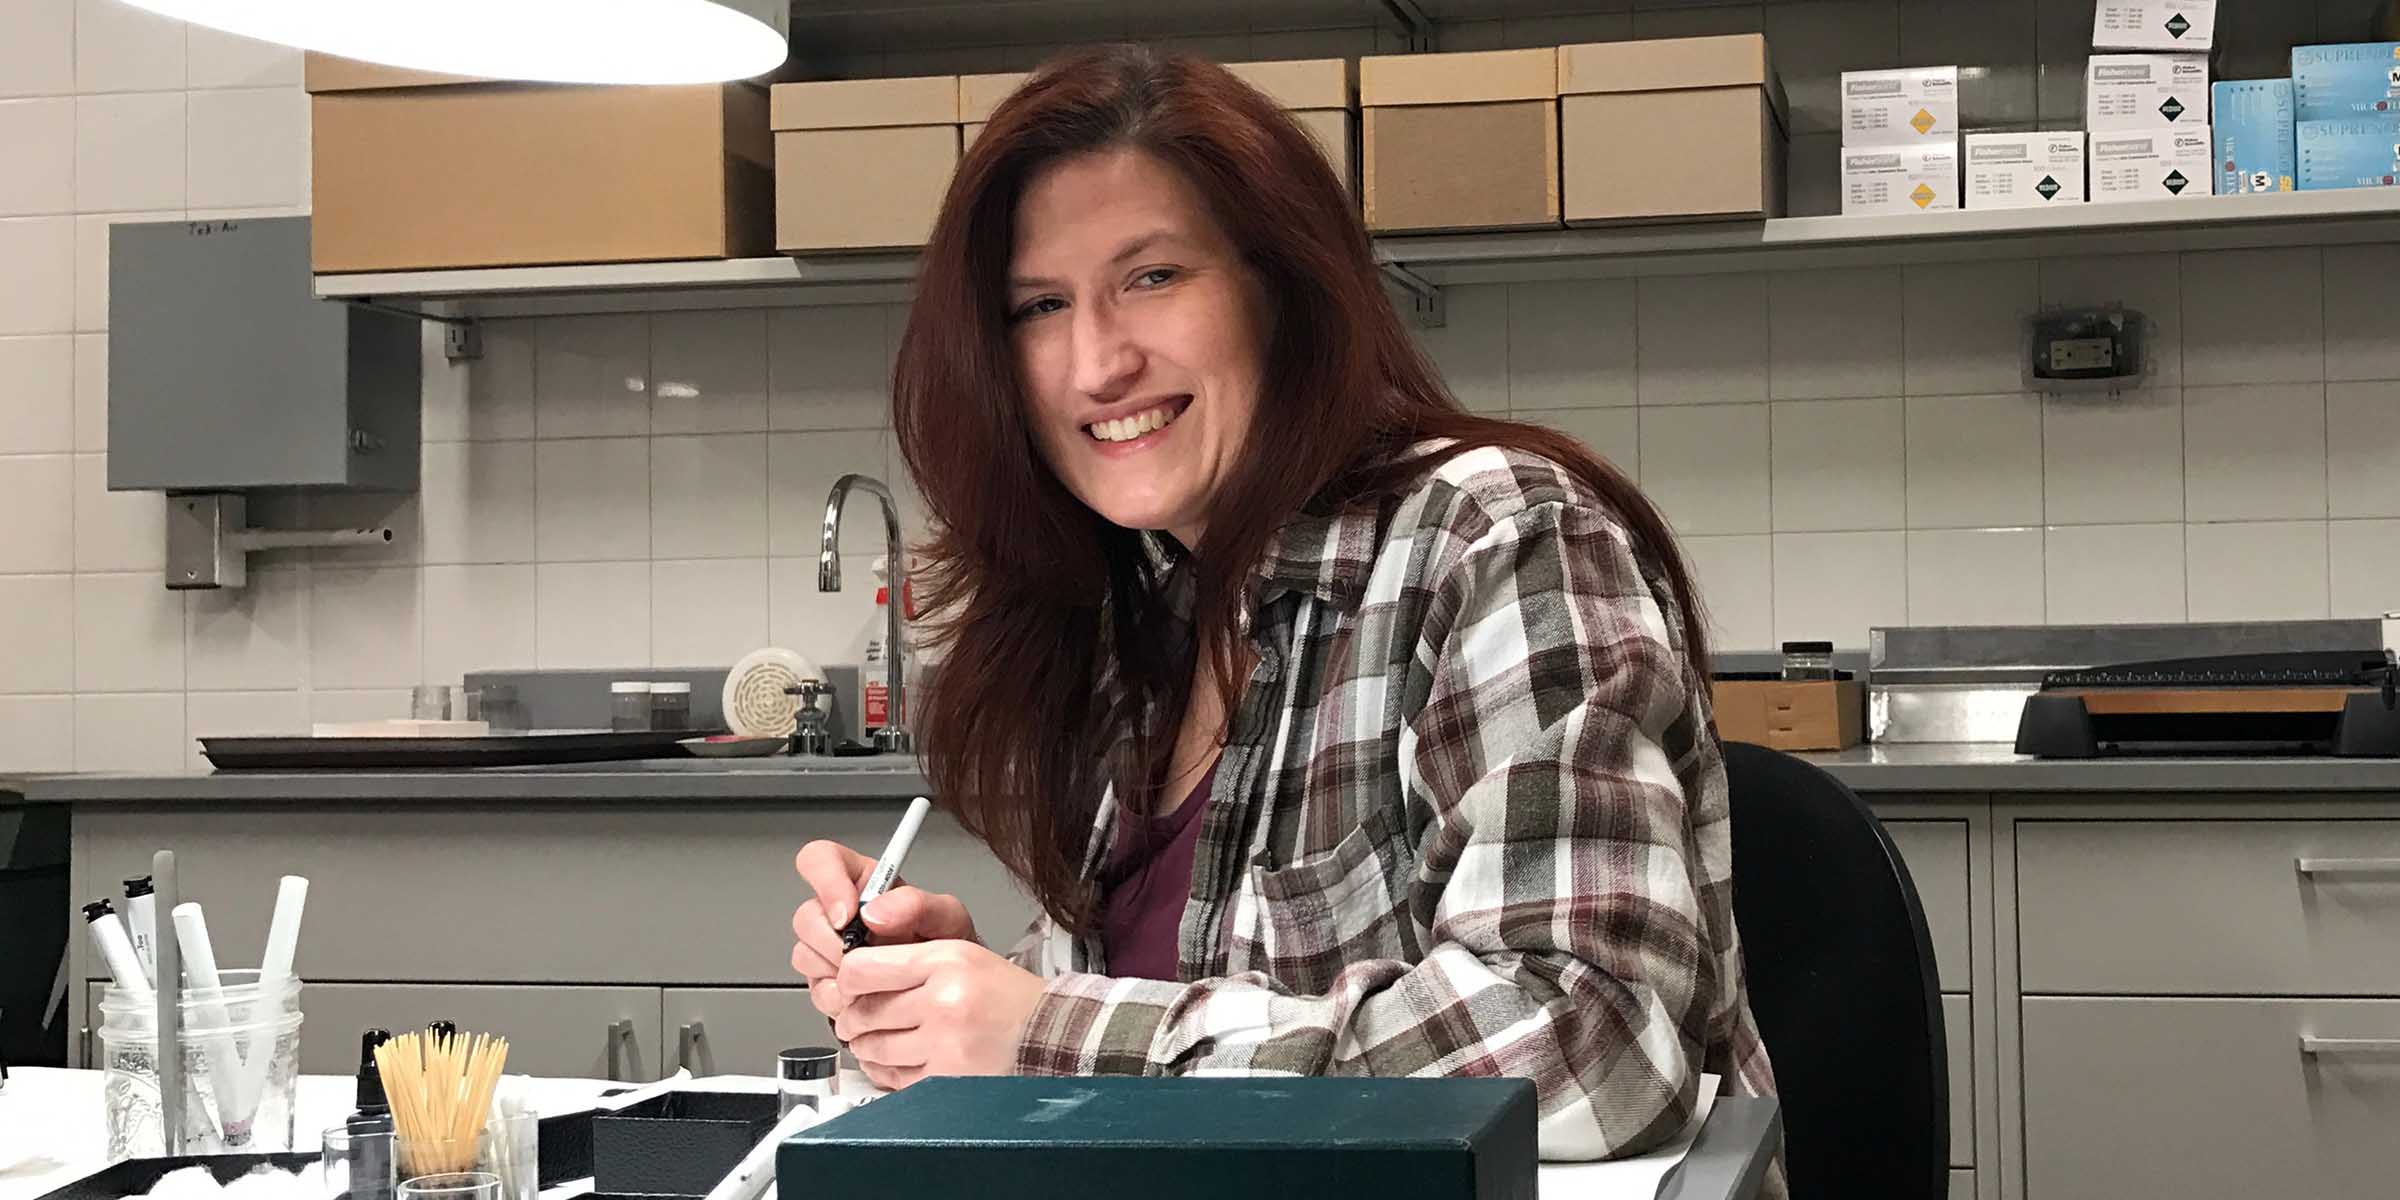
<point>565,41</point>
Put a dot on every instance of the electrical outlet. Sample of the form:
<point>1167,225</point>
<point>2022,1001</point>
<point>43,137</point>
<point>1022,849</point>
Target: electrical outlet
<point>2085,349</point>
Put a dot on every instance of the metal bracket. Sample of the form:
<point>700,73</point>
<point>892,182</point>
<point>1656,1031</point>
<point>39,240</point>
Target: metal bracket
<point>209,540</point>
<point>1426,310</point>
<point>1414,26</point>
<point>462,337</point>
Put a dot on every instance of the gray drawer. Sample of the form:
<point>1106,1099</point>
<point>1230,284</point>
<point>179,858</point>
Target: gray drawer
<point>1962,1185</point>
<point>2206,908</point>
<point>554,1031</point>
<point>567,894</point>
<point>2201,1099</point>
<point>1958,1031</point>
<point>738,1031</point>
<point>1936,854</point>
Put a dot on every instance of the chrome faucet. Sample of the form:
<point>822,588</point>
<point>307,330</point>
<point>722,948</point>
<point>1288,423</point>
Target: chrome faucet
<point>893,738</point>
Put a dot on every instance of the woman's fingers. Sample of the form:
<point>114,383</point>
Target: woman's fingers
<point>890,1011</point>
<point>827,996</point>
<point>816,938</point>
<point>910,914</point>
<point>890,1049</point>
<point>834,872</point>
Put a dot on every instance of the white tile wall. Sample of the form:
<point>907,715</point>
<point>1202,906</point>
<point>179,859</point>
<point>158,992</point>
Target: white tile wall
<point>2365,567</point>
<point>129,152</point>
<point>40,136</point>
<point>2256,570</point>
<point>37,391</point>
<point>248,148</point>
<point>1839,448</point>
<point>479,617</point>
<point>38,56</point>
<point>1838,464</point>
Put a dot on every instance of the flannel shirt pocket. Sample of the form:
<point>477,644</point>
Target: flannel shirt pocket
<point>1343,905</point>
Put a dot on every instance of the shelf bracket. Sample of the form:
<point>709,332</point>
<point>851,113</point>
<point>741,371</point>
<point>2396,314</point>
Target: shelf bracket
<point>1426,310</point>
<point>1414,26</point>
<point>462,337</point>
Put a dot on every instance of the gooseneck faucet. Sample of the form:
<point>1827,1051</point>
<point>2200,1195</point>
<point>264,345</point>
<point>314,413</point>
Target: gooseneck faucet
<point>893,738</point>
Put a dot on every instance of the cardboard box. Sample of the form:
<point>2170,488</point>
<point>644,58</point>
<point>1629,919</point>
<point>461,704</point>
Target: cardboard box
<point>2145,91</point>
<point>2183,26</point>
<point>417,172</point>
<point>1671,128</point>
<point>863,164</point>
<point>2361,151</point>
<point>1900,180</point>
<point>1815,714</point>
<point>2251,122</point>
<point>2024,170</point>
<point>1460,141</point>
<point>1894,108</point>
<point>2151,164</point>
<point>2343,81</point>
<point>978,95</point>
<point>1322,95</point>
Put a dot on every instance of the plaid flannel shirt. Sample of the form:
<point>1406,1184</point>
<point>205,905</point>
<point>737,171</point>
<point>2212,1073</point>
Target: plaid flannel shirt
<point>1470,819</point>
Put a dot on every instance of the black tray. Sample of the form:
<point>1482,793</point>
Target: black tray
<point>135,1176</point>
<point>404,753</point>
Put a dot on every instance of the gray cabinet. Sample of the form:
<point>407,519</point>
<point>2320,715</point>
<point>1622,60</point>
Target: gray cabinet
<point>554,894</point>
<point>2203,908</point>
<point>1936,855</point>
<point>2205,1099</point>
<point>572,1032</point>
<point>738,1031</point>
<point>1958,1028</point>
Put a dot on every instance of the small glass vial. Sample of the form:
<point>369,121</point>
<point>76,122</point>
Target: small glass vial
<point>629,706</point>
<point>1808,660</point>
<point>670,706</point>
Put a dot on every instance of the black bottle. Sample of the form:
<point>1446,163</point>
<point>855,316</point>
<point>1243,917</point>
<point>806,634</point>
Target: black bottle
<point>370,1156</point>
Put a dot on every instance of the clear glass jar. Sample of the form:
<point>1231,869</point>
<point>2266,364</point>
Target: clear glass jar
<point>629,706</point>
<point>670,705</point>
<point>1808,660</point>
<point>241,1068</point>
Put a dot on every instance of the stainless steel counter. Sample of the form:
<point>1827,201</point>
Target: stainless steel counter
<point>1963,767</point>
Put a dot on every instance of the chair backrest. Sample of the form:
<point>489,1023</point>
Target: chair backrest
<point>1842,981</point>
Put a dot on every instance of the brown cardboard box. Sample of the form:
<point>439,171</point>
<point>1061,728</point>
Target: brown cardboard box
<point>1322,95</point>
<point>978,95</point>
<point>415,172</point>
<point>1671,128</point>
<point>1460,141</point>
<point>1799,715</point>
<point>863,164</point>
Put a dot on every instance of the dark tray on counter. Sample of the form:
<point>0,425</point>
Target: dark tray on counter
<point>408,753</point>
<point>136,1176</point>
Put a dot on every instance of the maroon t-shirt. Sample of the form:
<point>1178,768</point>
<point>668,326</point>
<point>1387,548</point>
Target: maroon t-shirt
<point>1149,881</point>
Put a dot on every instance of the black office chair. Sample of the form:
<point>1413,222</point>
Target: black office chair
<point>1842,981</point>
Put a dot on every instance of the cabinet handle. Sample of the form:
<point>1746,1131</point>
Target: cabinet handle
<point>84,1038</point>
<point>2313,1046</point>
<point>619,1032</point>
<point>694,1037</point>
<point>2347,866</point>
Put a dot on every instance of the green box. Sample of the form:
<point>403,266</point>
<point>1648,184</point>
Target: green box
<point>1174,1139</point>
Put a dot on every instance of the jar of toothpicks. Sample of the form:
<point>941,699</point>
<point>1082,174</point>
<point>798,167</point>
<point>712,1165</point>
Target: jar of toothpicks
<point>440,1089</point>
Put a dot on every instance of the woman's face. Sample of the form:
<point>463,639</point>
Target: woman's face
<point>1138,333</point>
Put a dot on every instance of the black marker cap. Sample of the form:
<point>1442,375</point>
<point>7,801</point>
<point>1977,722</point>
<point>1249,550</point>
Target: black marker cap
<point>98,909</point>
<point>442,1029</point>
<point>138,887</point>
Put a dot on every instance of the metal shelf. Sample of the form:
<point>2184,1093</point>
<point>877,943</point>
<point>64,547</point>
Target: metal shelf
<point>1800,243</point>
<point>1423,264</point>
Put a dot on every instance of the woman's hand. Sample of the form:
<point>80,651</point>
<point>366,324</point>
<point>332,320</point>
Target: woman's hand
<point>901,915</point>
<point>938,1008</point>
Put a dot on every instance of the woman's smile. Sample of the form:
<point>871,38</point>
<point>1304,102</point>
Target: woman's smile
<point>1140,431</point>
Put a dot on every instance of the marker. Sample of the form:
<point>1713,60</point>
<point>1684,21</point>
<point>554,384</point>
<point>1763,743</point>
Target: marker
<point>886,870</point>
<point>141,924</point>
<point>116,950</point>
<point>283,943</point>
<point>208,1013</point>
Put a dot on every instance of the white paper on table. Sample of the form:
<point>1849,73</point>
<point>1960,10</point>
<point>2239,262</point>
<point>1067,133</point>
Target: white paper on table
<point>1634,1178</point>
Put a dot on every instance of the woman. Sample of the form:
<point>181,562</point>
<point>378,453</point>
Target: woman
<point>1337,730</point>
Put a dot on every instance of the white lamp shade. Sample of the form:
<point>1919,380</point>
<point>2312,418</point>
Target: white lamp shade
<point>570,41</point>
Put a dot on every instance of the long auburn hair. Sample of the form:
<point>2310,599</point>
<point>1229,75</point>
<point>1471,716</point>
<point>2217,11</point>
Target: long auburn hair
<point>1064,667</point>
